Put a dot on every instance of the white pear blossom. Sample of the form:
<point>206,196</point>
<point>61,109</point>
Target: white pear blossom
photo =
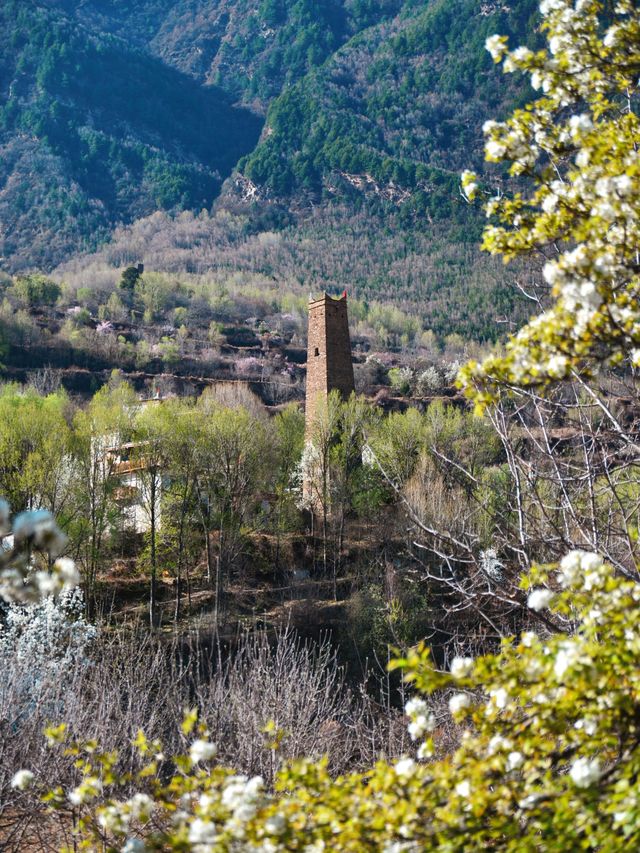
<point>569,654</point>
<point>425,751</point>
<point>405,768</point>
<point>458,702</point>
<point>539,599</point>
<point>514,760</point>
<point>421,725</point>
<point>582,158</point>
<point>489,126</point>
<point>499,698</point>
<point>496,45</point>
<point>588,725</point>
<point>536,80</point>
<point>580,124</point>
<point>415,706</point>
<point>522,54</point>
<point>463,789</point>
<point>624,185</point>
<point>498,743</point>
<point>202,831</point>
<point>549,6</point>
<point>140,806</point>
<point>469,184</point>
<point>45,643</point>
<point>68,572</point>
<point>584,772</point>
<point>22,780</point>
<point>88,790</point>
<point>202,750</point>
<point>611,36</point>
<point>461,667</point>
<point>551,272</point>
<point>571,569</point>
<point>495,150</point>
<point>557,366</point>
<point>113,819</point>
<point>243,797</point>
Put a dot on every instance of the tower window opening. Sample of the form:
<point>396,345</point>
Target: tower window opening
<point>317,351</point>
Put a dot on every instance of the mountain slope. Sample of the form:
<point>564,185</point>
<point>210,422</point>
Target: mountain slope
<point>398,110</point>
<point>251,48</point>
<point>112,109</point>
<point>92,134</point>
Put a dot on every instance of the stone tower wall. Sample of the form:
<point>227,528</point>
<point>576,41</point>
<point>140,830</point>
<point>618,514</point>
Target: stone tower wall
<point>329,364</point>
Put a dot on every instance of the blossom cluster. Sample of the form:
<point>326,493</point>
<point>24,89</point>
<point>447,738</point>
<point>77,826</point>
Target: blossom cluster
<point>20,579</point>
<point>41,645</point>
<point>578,144</point>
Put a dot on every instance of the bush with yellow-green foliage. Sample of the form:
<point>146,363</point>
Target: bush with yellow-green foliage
<point>548,759</point>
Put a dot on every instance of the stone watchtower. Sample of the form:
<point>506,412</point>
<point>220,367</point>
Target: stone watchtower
<point>329,363</point>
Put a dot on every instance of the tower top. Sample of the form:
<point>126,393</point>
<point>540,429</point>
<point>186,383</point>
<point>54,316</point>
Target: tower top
<point>326,298</point>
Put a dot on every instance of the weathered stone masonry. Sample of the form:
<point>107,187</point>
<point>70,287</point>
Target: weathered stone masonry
<point>329,364</point>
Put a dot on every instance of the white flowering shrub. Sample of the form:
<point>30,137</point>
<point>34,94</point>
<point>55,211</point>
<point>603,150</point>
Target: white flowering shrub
<point>451,370</point>
<point>429,381</point>
<point>305,471</point>
<point>43,643</point>
<point>548,758</point>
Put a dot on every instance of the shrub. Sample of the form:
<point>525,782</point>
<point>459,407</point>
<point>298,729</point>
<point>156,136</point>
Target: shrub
<point>401,379</point>
<point>430,381</point>
<point>549,754</point>
<point>36,289</point>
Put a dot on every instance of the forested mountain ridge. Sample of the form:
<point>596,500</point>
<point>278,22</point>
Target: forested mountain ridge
<point>111,109</point>
<point>398,110</point>
<point>251,48</point>
<point>92,133</point>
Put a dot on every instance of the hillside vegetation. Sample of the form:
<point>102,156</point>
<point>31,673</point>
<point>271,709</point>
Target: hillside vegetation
<point>401,105</point>
<point>447,286</point>
<point>111,110</point>
<point>251,48</point>
<point>92,133</point>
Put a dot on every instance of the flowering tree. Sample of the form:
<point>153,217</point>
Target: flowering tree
<point>43,642</point>
<point>577,146</point>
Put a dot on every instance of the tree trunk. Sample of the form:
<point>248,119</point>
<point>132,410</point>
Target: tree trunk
<point>216,611</point>
<point>183,510</point>
<point>208,547</point>
<point>152,588</point>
